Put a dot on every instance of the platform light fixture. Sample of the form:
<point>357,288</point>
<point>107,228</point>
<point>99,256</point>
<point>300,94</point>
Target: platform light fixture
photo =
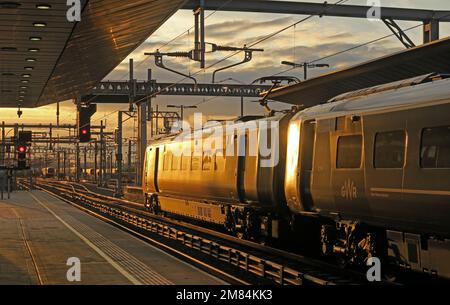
<point>39,24</point>
<point>43,6</point>
<point>35,38</point>
<point>34,50</point>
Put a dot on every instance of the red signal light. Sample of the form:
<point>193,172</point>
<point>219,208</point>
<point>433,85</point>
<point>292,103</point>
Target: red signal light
<point>22,149</point>
<point>84,131</point>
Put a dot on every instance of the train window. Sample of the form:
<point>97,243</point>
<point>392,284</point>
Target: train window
<point>349,152</point>
<point>390,149</point>
<point>196,163</point>
<point>435,150</point>
<point>207,161</point>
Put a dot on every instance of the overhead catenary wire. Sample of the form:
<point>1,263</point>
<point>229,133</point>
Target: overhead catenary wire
<point>267,38</point>
<point>351,48</point>
<point>178,36</point>
<point>253,43</point>
<point>332,55</point>
<point>161,47</point>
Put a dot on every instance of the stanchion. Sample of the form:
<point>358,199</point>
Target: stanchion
<point>9,186</point>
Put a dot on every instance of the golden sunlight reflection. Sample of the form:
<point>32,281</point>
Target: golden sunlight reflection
<point>292,152</point>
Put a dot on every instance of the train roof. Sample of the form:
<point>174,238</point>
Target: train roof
<point>413,92</point>
<point>239,122</point>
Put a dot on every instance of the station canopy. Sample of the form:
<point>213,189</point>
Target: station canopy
<point>421,60</point>
<point>44,58</point>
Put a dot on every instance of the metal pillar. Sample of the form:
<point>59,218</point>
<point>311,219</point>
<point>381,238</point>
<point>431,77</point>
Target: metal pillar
<point>16,134</point>
<point>142,140</point>
<point>50,145</point>
<point>119,157</point>
<point>65,164</point>
<point>111,164</point>
<point>3,149</point>
<point>430,31</point>
<point>242,106</point>
<point>157,121</point>
<point>305,71</point>
<point>58,171</point>
<point>78,163</point>
<point>149,105</point>
<point>85,162</point>
<point>102,157</point>
<point>95,161</point>
<point>132,95</point>
<point>199,21</point>
<point>57,114</point>
<point>129,155</point>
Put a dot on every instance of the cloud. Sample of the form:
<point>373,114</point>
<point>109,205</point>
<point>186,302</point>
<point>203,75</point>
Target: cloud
<point>311,40</point>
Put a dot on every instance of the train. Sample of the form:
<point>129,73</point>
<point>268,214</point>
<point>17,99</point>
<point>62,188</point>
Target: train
<point>365,174</point>
<point>48,172</point>
<point>127,177</point>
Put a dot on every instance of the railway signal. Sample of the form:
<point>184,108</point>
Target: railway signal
<point>22,155</point>
<point>84,122</point>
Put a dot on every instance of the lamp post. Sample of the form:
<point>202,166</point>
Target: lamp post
<point>305,66</point>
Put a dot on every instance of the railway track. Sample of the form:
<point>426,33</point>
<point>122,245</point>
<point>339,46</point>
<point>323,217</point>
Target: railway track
<point>238,261</point>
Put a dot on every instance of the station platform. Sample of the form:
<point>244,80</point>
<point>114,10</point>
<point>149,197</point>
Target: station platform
<point>39,234</point>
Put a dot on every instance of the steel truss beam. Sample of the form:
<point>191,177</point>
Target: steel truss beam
<point>44,126</point>
<point>118,92</point>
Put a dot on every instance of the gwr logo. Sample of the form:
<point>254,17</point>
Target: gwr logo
<point>349,191</point>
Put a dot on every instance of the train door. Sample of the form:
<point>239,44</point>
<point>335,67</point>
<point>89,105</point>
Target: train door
<point>386,141</point>
<point>156,169</point>
<point>306,166</point>
<point>152,169</point>
<point>348,171</point>
<point>240,171</point>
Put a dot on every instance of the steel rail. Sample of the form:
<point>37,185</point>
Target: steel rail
<point>255,259</point>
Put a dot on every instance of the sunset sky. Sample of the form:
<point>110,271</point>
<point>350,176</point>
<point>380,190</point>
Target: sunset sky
<point>307,41</point>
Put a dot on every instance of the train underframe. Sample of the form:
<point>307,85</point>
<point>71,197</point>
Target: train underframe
<point>244,221</point>
<point>351,243</point>
<point>354,242</point>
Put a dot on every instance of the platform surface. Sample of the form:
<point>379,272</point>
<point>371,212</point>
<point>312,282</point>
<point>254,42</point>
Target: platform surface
<point>39,233</point>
